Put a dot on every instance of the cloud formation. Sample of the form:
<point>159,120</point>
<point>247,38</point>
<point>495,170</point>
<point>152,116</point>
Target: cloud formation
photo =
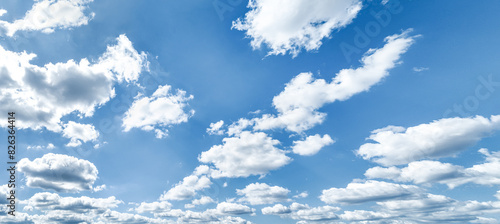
<point>158,112</point>
<point>245,155</point>
<point>440,138</point>
<point>47,93</point>
<point>290,26</point>
<point>58,172</point>
<point>48,15</point>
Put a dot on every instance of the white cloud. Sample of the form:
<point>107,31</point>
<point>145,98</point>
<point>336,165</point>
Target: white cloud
<point>368,191</point>
<point>303,212</point>
<point>237,127</point>
<point>202,201</point>
<point>302,195</point>
<point>215,128</point>
<point>277,209</point>
<point>124,60</point>
<point>497,195</point>
<point>245,155</point>
<point>421,172</point>
<point>290,26</point>
<point>154,207</point>
<point>233,209</point>
<point>158,112</point>
<point>187,188</point>
<point>118,217</point>
<point>420,69</point>
<point>99,188</point>
<point>440,138</point>
<point>297,104</point>
<point>47,93</point>
<point>261,193</point>
<point>50,202</point>
<point>48,15</point>
<point>361,215</point>
<point>79,132</point>
<point>58,172</point>
<point>311,145</point>
<point>40,147</point>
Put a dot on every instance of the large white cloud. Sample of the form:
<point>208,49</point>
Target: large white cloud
<point>421,172</point>
<point>297,104</point>
<point>311,145</point>
<point>158,112</point>
<point>368,191</point>
<point>48,15</point>
<point>58,172</point>
<point>440,138</point>
<point>42,95</point>
<point>293,25</point>
<point>245,155</point>
<point>261,193</point>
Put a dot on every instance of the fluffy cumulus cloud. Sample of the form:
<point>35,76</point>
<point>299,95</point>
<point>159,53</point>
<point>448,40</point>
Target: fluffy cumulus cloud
<point>421,172</point>
<point>159,111</point>
<point>48,15</point>
<point>261,193</point>
<point>58,172</point>
<point>446,137</point>
<point>79,133</point>
<point>188,187</point>
<point>368,191</point>
<point>47,93</point>
<point>297,104</point>
<point>290,26</point>
<point>311,145</point>
<point>245,155</point>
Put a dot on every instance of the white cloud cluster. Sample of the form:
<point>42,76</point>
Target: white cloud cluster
<point>261,193</point>
<point>440,138</point>
<point>245,155</point>
<point>311,145</point>
<point>47,93</point>
<point>293,25</point>
<point>48,15</point>
<point>215,128</point>
<point>79,132</point>
<point>202,201</point>
<point>154,207</point>
<point>51,202</point>
<point>298,103</point>
<point>303,212</point>
<point>368,191</point>
<point>158,112</point>
<point>40,147</point>
<point>221,214</point>
<point>421,172</point>
<point>58,172</point>
<point>187,188</point>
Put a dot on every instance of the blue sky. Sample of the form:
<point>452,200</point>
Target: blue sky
<point>300,111</point>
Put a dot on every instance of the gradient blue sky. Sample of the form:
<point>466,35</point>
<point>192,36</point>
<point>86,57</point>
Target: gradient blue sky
<point>450,159</point>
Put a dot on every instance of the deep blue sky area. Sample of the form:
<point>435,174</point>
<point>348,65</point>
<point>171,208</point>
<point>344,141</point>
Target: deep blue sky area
<point>408,95</point>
